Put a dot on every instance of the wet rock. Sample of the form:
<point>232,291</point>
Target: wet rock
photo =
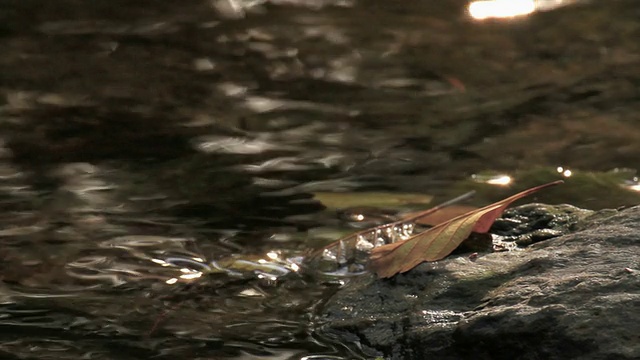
<point>534,222</point>
<point>576,296</point>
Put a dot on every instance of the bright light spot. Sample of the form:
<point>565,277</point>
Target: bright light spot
<point>161,262</point>
<point>481,10</point>
<point>186,271</point>
<point>272,255</point>
<point>198,259</point>
<point>359,217</point>
<point>250,292</point>
<point>191,276</point>
<point>634,187</point>
<point>172,281</point>
<point>267,276</point>
<point>500,180</point>
<point>262,261</point>
<point>295,267</point>
<point>564,172</point>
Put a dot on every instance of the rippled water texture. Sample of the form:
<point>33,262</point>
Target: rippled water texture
<point>158,159</point>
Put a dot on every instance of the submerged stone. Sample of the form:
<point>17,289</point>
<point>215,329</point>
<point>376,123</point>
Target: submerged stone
<point>574,296</point>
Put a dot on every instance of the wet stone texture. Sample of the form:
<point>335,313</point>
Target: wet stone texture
<point>576,296</point>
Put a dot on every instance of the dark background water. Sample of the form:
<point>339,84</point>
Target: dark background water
<point>140,141</point>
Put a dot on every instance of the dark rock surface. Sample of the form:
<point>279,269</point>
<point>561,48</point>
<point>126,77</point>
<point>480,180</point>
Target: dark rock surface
<point>576,296</point>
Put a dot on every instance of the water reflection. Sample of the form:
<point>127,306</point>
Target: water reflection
<point>481,10</point>
<point>164,168</point>
<point>487,9</point>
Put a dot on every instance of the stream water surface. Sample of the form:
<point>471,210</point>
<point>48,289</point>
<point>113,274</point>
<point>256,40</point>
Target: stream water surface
<point>165,166</point>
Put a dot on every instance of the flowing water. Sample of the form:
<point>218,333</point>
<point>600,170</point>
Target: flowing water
<point>166,166</point>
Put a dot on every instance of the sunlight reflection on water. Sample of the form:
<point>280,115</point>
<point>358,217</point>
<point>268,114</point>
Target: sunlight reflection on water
<point>487,9</point>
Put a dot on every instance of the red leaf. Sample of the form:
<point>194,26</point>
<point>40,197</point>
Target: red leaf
<point>442,215</point>
<point>439,241</point>
<point>345,250</point>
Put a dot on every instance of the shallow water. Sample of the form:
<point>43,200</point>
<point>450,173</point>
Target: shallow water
<point>159,159</point>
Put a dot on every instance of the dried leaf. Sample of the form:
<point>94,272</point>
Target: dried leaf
<point>442,215</point>
<point>439,241</point>
<point>348,249</point>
